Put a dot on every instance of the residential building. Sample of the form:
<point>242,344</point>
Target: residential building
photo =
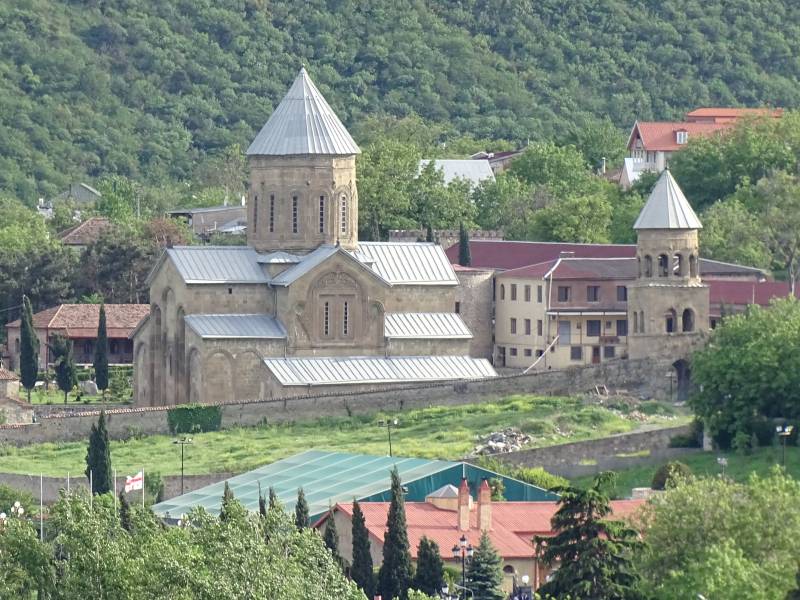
<point>81,193</point>
<point>449,512</point>
<point>83,234</point>
<point>473,171</point>
<point>498,161</point>
<point>205,221</point>
<point>305,307</point>
<point>78,323</point>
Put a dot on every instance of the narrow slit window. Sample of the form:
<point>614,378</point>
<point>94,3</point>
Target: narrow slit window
<point>346,319</point>
<point>272,213</point>
<point>294,215</point>
<point>255,213</point>
<point>326,319</point>
<point>343,215</point>
<point>322,214</point>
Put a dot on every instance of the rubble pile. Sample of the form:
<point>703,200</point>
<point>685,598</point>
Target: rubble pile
<point>500,442</point>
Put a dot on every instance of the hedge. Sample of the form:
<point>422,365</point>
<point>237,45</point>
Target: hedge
<point>194,418</point>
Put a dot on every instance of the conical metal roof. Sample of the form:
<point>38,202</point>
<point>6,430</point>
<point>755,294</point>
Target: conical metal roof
<point>667,207</point>
<point>303,123</point>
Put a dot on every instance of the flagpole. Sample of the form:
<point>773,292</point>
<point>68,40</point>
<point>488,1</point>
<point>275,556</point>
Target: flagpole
<point>41,507</point>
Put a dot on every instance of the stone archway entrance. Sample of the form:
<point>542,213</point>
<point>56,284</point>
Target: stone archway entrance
<point>683,380</point>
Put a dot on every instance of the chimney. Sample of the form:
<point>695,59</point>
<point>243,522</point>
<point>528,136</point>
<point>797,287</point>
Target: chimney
<point>463,506</point>
<point>485,506</point>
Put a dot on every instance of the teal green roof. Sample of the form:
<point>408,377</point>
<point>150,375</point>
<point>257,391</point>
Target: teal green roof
<point>331,477</point>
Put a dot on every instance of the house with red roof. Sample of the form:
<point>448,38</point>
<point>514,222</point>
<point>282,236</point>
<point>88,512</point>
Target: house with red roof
<point>450,513</point>
<point>78,323</point>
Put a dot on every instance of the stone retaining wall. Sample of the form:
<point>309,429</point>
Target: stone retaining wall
<point>643,378</point>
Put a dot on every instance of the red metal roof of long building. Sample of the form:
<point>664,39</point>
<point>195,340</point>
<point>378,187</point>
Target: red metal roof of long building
<point>503,254</point>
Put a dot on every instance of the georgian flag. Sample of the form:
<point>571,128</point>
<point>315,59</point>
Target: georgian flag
<point>134,483</point>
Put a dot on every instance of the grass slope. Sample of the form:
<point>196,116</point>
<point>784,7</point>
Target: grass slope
<point>705,464</point>
<point>439,432</point>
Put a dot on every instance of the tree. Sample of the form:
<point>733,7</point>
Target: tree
<point>731,233</point>
<point>795,593</point>
<point>28,349</point>
<point>394,577</point>
<point>331,536</point>
<point>670,474</point>
<point>273,499</point>
<point>483,572</point>
<point>464,258</point>
<point>562,169</point>
<point>594,553</point>
<point>429,577</point>
<point>436,205</point>
<point>98,458</point>
<point>301,510</point>
<point>507,203</point>
<point>262,503</point>
<point>227,505</point>
<point>598,140</point>
<point>739,392</point>
<point>101,353</point>
<point>584,219</point>
<point>64,364</point>
<point>125,518</point>
<point>361,569</point>
<point>713,535</point>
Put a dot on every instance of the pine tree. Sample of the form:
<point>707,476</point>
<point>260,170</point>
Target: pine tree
<point>101,353</point>
<point>66,375</point>
<point>98,458</point>
<point>795,593</point>
<point>429,577</point>
<point>227,500</point>
<point>483,572</point>
<point>464,256</point>
<point>394,577</point>
<point>594,554</point>
<point>429,234</point>
<point>361,569</point>
<point>125,513</point>
<point>301,510</point>
<point>273,499</point>
<point>331,537</point>
<point>28,349</point>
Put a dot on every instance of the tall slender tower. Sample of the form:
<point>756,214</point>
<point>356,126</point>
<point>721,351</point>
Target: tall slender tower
<point>302,176</point>
<point>668,303</point>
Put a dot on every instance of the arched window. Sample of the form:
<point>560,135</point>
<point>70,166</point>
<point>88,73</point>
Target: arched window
<point>677,265</point>
<point>648,266</point>
<point>502,291</point>
<point>343,215</point>
<point>255,213</point>
<point>687,320</point>
<point>692,265</point>
<point>635,322</point>
<point>663,265</point>
<point>671,321</point>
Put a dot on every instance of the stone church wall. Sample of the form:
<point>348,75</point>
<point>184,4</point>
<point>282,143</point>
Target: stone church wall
<point>475,298</point>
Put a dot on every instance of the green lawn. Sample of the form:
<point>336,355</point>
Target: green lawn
<point>56,396</point>
<point>439,432</point>
<point>705,463</point>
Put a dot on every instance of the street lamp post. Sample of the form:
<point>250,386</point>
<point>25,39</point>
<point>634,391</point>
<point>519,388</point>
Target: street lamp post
<point>784,432</point>
<point>388,423</point>
<point>463,550</point>
<point>183,442</point>
<point>722,462</point>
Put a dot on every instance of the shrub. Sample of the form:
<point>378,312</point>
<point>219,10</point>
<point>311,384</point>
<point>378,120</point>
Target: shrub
<point>693,439</point>
<point>194,418</point>
<point>668,474</point>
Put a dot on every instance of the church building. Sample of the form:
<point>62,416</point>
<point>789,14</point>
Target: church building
<point>305,307</point>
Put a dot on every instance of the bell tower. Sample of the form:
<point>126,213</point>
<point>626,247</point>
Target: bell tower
<point>668,302</point>
<point>302,176</point>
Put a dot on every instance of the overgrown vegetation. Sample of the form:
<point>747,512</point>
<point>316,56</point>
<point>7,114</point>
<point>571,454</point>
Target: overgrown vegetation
<point>194,418</point>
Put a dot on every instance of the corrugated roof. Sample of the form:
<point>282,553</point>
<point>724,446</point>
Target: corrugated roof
<point>236,326</point>
<point>412,263</point>
<point>216,264</point>
<point>303,123</point>
<point>425,325</point>
<point>473,170</point>
<point>667,207</point>
<point>376,369</point>
<point>315,258</point>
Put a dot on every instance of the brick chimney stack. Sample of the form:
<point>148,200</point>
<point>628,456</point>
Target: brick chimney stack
<point>485,506</point>
<point>463,505</point>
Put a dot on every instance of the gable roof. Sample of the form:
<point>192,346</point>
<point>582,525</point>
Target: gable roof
<point>667,207</point>
<point>315,258</point>
<point>425,326</point>
<point>474,170</point>
<point>82,320</point>
<point>410,263</point>
<point>239,326</point>
<point>6,375</point>
<point>742,293</point>
<point>660,136</point>
<point>85,233</point>
<point>213,264</point>
<point>303,123</point>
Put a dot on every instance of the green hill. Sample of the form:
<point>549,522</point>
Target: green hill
<point>148,88</point>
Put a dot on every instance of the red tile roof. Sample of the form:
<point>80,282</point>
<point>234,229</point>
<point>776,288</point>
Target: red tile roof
<point>6,375</point>
<point>732,113</point>
<point>81,320</point>
<point>85,233</point>
<point>661,135</point>
<point>503,254</point>
<point>513,523</point>
<point>743,293</point>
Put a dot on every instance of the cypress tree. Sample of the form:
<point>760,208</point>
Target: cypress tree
<point>125,513</point>
<point>429,577</point>
<point>331,537</point>
<point>795,593</point>
<point>273,499</point>
<point>429,234</point>
<point>101,353</point>
<point>483,573</point>
<point>28,348</point>
<point>98,458</point>
<point>227,500</point>
<point>301,510</point>
<point>394,577</point>
<point>464,256</point>
<point>66,376</point>
<point>262,502</point>
<point>361,569</point>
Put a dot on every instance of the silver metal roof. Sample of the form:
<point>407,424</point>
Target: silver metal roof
<point>303,123</point>
<point>217,264</point>
<point>307,262</point>
<point>375,369</point>
<point>474,171</point>
<point>667,207</point>
<point>425,325</point>
<point>279,257</point>
<point>410,263</point>
<point>236,326</point>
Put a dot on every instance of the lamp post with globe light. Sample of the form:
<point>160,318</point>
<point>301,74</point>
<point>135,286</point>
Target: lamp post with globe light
<point>784,432</point>
<point>463,550</point>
